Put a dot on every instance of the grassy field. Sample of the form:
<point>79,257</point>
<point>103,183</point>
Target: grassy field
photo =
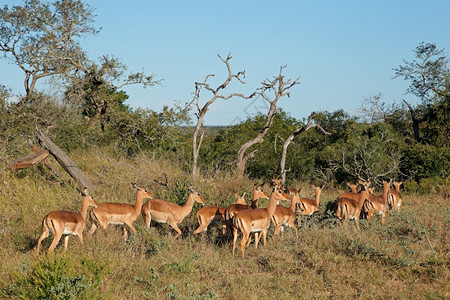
<point>408,258</point>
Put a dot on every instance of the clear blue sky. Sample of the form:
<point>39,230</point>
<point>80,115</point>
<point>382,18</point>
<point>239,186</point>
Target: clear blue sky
<point>344,51</point>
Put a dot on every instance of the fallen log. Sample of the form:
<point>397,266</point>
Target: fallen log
<point>64,160</point>
<point>27,161</point>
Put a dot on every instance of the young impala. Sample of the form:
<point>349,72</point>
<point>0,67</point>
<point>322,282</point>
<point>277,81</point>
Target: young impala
<point>119,213</point>
<point>208,213</point>
<point>286,215</point>
<point>394,197</point>
<point>162,211</point>
<point>309,206</point>
<point>256,220</point>
<point>66,223</point>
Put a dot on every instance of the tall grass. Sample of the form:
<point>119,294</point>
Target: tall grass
<point>407,258</point>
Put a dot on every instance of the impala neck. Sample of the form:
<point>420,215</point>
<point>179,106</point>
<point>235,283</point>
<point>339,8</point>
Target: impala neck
<point>272,204</point>
<point>139,201</point>
<point>385,191</point>
<point>187,208</point>
<point>318,197</point>
<point>363,196</point>
<point>84,208</point>
<point>255,199</point>
<point>295,199</point>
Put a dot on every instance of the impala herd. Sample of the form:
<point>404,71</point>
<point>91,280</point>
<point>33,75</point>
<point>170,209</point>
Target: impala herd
<point>238,217</point>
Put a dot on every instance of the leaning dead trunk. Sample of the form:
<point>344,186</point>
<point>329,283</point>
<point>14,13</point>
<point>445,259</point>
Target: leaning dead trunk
<point>289,140</point>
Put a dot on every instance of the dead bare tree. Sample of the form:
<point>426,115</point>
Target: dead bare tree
<point>289,140</point>
<point>280,89</point>
<point>197,137</point>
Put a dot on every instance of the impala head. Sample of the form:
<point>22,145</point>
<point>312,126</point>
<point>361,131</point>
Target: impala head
<point>317,188</point>
<point>143,192</point>
<point>365,184</point>
<point>88,198</point>
<point>352,186</point>
<point>240,199</point>
<point>292,191</point>
<point>258,192</point>
<point>279,194</point>
<point>196,196</point>
<point>397,184</point>
<point>370,190</point>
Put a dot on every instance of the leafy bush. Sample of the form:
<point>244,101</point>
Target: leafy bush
<point>57,277</point>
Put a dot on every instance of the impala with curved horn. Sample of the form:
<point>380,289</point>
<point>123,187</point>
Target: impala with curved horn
<point>208,213</point>
<point>256,220</point>
<point>119,213</point>
<point>162,211</point>
<point>66,223</point>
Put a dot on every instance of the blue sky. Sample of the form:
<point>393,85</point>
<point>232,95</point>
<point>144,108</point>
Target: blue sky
<point>344,51</point>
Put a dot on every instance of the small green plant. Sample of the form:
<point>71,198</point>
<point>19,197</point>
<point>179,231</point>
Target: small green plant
<point>56,277</point>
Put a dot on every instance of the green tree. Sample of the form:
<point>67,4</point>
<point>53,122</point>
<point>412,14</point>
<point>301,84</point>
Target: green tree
<point>43,39</point>
<point>430,81</point>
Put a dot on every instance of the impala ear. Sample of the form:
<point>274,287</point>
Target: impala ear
<point>243,195</point>
<point>85,192</point>
<point>135,185</point>
<point>191,189</point>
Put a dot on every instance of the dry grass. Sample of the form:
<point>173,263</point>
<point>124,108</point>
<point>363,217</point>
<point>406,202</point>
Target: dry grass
<point>406,258</point>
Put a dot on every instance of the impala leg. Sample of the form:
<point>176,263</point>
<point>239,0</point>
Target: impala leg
<point>250,238</point>
<point>175,226</point>
<point>124,233</point>
<point>147,219</point>
<point>66,242</point>
<point>277,230</point>
<point>44,235</point>
<point>292,225</point>
<point>382,219</point>
<point>264,233</point>
<point>243,243</point>
<point>56,238</point>
<point>257,238</point>
<point>201,226</point>
<point>234,239</point>
<point>357,223</point>
<point>93,228</point>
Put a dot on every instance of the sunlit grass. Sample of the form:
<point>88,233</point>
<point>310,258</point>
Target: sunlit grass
<point>406,258</point>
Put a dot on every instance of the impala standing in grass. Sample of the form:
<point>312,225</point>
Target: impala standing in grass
<point>66,223</point>
<point>119,213</point>
<point>173,214</point>
<point>256,220</point>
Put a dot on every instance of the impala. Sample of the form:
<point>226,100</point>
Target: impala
<point>394,197</point>
<point>309,206</point>
<point>347,208</point>
<point>352,186</point>
<point>66,223</point>
<point>119,213</point>
<point>256,220</point>
<point>286,215</point>
<point>353,194</point>
<point>162,211</point>
<point>377,204</point>
<point>206,214</point>
<point>233,209</point>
